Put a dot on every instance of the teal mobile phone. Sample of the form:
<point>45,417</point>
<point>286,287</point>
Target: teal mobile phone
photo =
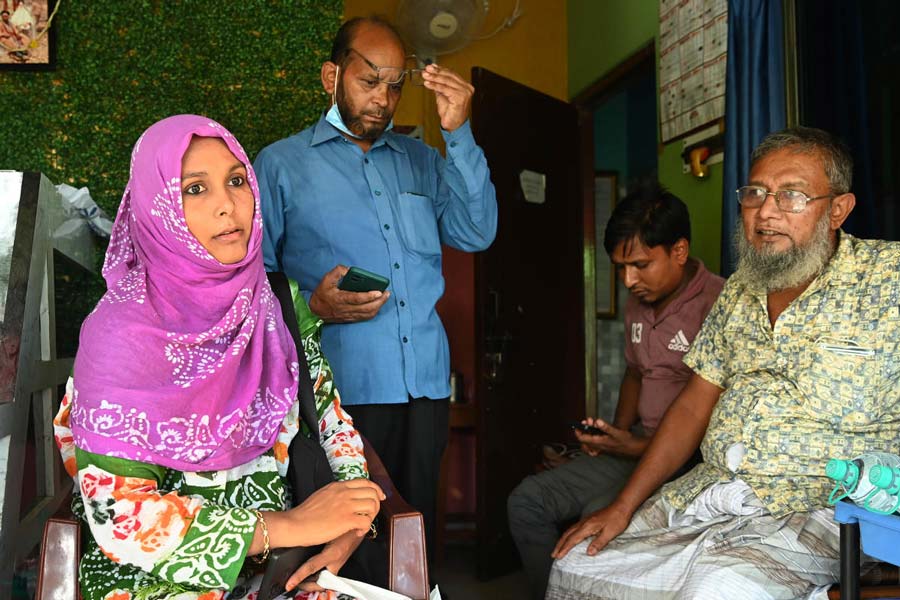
<point>360,280</point>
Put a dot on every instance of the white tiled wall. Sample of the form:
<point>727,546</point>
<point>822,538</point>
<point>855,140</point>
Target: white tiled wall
<point>611,358</point>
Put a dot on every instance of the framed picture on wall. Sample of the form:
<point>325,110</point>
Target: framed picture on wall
<point>605,274</point>
<point>27,41</point>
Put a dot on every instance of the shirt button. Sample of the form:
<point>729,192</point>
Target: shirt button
<point>396,265</point>
<point>404,339</point>
<point>453,144</point>
<point>377,192</point>
<point>402,303</point>
<point>366,160</point>
<point>386,226</point>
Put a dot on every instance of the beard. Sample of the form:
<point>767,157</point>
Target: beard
<point>353,120</point>
<point>772,270</point>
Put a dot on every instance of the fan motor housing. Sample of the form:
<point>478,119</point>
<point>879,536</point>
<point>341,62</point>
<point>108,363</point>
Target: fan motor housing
<point>432,27</point>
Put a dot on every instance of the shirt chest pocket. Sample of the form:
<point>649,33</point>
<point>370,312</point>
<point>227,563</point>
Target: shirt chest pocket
<point>840,378</point>
<point>418,224</point>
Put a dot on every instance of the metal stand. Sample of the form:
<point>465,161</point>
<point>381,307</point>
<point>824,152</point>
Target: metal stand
<point>850,561</point>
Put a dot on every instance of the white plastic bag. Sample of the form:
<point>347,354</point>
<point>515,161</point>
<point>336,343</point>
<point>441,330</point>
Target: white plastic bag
<point>77,203</point>
<point>363,591</point>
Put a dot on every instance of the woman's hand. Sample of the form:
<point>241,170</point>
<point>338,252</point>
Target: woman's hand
<point>332,557</point>
<point>329,513</point>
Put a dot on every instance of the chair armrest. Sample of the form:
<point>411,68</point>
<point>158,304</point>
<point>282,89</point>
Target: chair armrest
<point>394,504</point>
<point>408,565</point>
<point>60,553</point>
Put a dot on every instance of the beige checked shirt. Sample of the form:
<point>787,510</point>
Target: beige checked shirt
<point>824,382</point>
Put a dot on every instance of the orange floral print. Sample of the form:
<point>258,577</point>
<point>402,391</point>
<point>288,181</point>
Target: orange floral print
<point>346,449</point>
<point>281,451</point>
<point>341,415</point>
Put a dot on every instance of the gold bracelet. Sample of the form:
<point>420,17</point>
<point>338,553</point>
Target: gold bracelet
<point>261,558</point>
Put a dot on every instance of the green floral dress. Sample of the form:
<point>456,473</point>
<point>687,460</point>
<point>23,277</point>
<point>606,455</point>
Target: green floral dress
<point>159,533</point>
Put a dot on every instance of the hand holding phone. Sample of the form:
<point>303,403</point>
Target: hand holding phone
<point>331,302</point>
<point>283,562</point>
<point>587,429</point>
<point>360,280</point>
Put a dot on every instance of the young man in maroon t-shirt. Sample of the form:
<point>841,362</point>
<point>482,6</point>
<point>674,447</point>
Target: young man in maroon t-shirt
<point>648,240</point>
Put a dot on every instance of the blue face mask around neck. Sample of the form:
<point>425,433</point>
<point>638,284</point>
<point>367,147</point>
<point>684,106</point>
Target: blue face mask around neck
<point>334,117</point>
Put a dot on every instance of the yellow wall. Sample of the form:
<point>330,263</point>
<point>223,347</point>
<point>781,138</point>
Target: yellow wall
<point>532,52</point>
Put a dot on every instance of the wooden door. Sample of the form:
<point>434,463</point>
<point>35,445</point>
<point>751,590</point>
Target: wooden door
<point>529,298</point>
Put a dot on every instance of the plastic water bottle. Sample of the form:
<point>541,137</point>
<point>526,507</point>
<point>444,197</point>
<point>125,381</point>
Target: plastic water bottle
<point>852,478</point>
<point>887,480</point>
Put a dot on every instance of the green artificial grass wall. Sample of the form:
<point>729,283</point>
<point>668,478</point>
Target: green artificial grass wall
<point>121,65</point>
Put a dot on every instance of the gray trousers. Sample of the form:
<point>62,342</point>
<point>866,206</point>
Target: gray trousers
<point>543,503</point>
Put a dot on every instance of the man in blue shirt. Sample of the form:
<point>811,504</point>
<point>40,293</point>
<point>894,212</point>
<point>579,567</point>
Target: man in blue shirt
<point>349,192</point>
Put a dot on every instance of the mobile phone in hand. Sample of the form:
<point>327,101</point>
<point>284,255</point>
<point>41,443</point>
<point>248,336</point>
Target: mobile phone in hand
<point>588,429</point>
<point>360,280</point>
<point>282,563</point>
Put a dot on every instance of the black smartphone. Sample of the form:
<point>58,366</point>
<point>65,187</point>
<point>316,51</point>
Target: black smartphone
<point>360,280</point>
<point>588,429</point>
<point>282,563</point>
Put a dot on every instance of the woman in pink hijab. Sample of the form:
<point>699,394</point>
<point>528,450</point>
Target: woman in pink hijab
<point>183,401</point>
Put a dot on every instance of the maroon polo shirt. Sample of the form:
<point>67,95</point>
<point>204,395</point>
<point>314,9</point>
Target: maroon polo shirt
<point>656,344</point>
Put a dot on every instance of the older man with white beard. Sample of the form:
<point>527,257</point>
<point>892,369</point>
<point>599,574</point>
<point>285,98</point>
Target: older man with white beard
<point>797,362</point>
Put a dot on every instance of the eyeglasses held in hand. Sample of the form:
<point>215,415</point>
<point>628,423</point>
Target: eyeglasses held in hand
<point>751,196</point>
<point>393,75</point>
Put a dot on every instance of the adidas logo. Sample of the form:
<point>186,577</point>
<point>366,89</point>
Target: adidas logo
<point>679,342</point>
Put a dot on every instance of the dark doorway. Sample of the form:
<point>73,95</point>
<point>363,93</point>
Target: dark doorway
<point>529,297</point>
<point>622,142</point>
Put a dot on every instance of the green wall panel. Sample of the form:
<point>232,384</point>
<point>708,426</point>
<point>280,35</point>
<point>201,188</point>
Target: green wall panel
<point>704,200</point>
<point>603,33</point>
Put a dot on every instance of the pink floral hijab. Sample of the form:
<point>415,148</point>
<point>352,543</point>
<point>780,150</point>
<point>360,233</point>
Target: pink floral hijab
<point>185,362</point>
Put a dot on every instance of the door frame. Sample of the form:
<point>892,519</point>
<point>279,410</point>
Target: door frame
<point>585,101</point>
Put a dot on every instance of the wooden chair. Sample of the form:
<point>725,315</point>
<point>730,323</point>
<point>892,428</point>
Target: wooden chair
<point>60,553</point>
<point>407,564</point>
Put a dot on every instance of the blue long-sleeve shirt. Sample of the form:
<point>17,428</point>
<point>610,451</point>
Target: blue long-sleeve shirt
<point>325,202</point>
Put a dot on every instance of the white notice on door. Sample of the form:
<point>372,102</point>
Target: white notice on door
<point>533,186</point>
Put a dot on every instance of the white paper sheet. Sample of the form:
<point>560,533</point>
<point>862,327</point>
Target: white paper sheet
<point>357,589</point>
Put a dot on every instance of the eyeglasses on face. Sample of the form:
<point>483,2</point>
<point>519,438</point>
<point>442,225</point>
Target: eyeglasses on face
<point>394,76</point>
<point>752,196</point>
